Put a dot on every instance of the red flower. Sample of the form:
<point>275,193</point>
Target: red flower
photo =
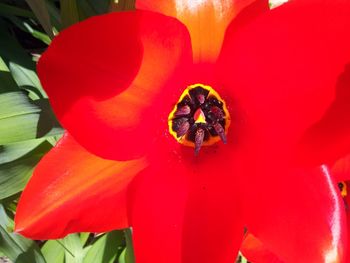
<point>113,80</point>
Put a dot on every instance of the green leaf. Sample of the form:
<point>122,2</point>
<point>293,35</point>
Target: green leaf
<point>129,251</point>
<point>18,63</point>
<point>88,8</point>
<point>13,245</point>
<point>40,10</point>
<point>123,5</point>
<point>8,245</point>
<point>11,152</point>
<point>55,15</point>
<point>84,238</point>
<point>105,249</point>
<point>53,252</point>
<point>21,119</point>
<point>15,104</point>
<point>14,175</point>
<point>11,50</point>
<point>122,257</point>
<point>100,6</point>
<point>6,10</point>
<point>31,255</point>
<point>37,34</point>
<point>27,78</point>
<point>69,12</point>
<point>74,252</point>
<point>7,83</point>
<point>54,139</point>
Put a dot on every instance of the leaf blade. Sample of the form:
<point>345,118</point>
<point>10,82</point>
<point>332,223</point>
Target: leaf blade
<point>40,10</point>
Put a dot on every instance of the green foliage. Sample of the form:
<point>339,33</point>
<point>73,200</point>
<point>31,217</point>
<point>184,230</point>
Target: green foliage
<point>40,10</point>
<point>29,129</point>
<point>14,246</point>
<point>69,12</point>
<point>106,249</point>
<point>21,119</point>
<point>53,251</point>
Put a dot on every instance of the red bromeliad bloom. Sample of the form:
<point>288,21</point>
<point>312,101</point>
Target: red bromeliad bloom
<point>191,120</point>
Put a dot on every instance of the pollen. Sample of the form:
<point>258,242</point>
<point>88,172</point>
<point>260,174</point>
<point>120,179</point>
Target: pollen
<point>199,118</point>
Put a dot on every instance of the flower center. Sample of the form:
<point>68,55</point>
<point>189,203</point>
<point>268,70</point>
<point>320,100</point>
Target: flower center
<point>199,118</point>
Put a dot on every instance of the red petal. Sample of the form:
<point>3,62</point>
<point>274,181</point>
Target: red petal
<point>183,208</point>
<point>256,252</point>
<point>109,77</point>
<point>348,226</point>
<point>282,70</point>
<point>73,191</point>
<point>206,20</point>
<point>295,210</point>
<point>329,138</point>
<point>341,169</point>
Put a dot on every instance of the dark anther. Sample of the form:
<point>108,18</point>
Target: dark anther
<point>184,110</point>
<point>198,140</point>
<point>220,130</point>
<point>184,126</point>
<point>217,112</point>
<point>341,186</point>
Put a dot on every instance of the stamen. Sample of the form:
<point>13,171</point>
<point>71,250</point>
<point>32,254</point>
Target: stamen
<point>217,112</point>
<point>220,130</point>
<point>200,118</point>
<point>198,140</point>
<point>184,110</point>
<point>183,128</point>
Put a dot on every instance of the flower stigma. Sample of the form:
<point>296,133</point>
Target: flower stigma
<point>199,118</point>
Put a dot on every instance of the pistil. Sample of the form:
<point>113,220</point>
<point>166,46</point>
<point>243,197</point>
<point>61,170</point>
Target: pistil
<point>200,118</point>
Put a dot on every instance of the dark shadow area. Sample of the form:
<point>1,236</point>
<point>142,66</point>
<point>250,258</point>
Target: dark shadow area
<point>11,51</point>
<point>7,83</point>
<point>30,255</point>
<point>48,122</point>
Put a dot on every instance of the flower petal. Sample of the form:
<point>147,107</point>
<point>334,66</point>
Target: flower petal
<point>256,252</point>
<point>282,70</point>
<point>329,138</point>
<point>341,169</point>
<point>109,77</point>
<point>303,209</point>
<point>205,19</point>
<point>187,210</point>
<point>73,191</point>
